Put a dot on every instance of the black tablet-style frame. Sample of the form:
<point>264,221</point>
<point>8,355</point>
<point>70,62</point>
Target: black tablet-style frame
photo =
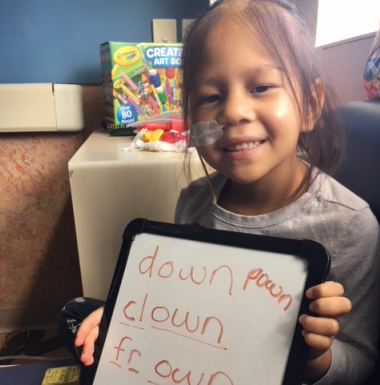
<point>314,253</point>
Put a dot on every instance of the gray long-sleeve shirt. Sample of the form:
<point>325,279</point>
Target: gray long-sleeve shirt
<point>332,215</point>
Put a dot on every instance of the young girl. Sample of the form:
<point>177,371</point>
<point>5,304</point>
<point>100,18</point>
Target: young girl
<point>258,107</point>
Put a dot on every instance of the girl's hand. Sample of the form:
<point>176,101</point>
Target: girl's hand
<point>87,334</point>
<point>319,332</point>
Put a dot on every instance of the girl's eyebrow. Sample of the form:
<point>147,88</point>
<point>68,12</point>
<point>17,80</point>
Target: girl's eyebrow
<point>262,70</point>
<point>253,71</point>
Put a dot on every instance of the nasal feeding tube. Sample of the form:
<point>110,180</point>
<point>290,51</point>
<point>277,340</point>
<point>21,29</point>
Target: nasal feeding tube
<point>204,133</point>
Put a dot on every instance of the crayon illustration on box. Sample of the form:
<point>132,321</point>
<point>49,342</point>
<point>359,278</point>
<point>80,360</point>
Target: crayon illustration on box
<point>142,83</point>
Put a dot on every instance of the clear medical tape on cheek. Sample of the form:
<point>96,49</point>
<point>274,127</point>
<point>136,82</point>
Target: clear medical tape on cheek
<point>205,133</point>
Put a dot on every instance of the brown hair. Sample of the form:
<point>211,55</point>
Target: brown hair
<point>288,41</point>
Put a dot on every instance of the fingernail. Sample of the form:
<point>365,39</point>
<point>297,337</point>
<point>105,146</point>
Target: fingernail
<point>309,293</point>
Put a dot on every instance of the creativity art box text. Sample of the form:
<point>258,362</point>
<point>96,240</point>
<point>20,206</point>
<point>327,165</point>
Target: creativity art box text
<point>140,81</point>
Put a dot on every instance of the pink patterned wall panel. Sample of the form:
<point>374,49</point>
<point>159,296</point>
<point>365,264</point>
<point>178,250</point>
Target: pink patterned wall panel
<point>38,252</point>
<point>34,220</point>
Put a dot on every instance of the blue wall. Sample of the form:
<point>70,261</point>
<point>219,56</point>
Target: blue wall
<point>52,41</point>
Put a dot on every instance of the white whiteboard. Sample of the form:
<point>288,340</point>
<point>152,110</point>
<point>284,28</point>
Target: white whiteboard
<point>190,312</point>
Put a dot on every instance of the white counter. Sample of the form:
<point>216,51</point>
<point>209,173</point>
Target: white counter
<point>110,187</point>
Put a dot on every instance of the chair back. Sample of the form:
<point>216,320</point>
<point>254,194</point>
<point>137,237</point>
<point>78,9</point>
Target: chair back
<point>361,170</point>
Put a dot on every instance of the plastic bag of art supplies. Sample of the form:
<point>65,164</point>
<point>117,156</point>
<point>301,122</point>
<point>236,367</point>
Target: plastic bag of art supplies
<point>164,133</point>
<point>371,74</point>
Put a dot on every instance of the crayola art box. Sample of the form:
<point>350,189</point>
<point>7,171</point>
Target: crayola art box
<point>140,81</point>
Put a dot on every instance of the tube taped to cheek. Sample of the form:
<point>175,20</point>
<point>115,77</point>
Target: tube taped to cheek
<point>204,133</point>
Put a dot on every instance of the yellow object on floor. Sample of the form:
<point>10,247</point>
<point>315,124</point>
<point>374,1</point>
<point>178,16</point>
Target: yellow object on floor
<point>66,375</point>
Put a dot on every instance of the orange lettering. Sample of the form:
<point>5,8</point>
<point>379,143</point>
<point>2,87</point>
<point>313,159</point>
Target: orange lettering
<point>126,308</point>
<point>252,275</point>
<point>167,366</point>
<point>230,273</point>
<point>260,278</point>
<point>160,274</point>
<point>191,276</point>
<point>284,297</point>
<point>263,281</point>
<point>217,374</point>
<point>119,349</point>
<point>185,322</point>
<point>187,377</point>
<point>271,292</point>
<point>208,319</point>
<point>165,318</point>
<point>150,266</point>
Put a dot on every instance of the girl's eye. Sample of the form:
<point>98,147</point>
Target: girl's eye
<point>210,99</point>
<point>260,89</point>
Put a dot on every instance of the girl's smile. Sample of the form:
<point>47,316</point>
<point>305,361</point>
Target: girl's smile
<point>239,85</point>
<point>244,146</point>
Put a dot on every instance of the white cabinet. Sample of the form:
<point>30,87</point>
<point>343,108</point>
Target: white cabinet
<point>110,187</point>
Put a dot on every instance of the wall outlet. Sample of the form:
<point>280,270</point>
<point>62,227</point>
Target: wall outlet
<point>164,30</point>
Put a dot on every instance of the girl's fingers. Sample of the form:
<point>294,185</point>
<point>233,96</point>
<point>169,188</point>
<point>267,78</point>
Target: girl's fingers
<point>83,331</point>
<point>328,304</point>
<point>87,334</point>
<point>327,289</point>
<point>317,341</point>
<point>81,334</point>
<point>328,300</point>
<point>331,306</point>
<point>89,323</point>
<point>324,326</point>
<point>319,333</point>
<point>87,356</point>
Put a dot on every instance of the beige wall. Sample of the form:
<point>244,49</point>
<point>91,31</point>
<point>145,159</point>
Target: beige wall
<point>346,62</point>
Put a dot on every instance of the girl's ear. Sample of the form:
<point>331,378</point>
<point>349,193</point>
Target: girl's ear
<point>317,90</point>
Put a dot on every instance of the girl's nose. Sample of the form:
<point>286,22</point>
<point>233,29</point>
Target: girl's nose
<point>237,109</point>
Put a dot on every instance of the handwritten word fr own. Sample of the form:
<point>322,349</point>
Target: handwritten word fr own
<point>165,371</point>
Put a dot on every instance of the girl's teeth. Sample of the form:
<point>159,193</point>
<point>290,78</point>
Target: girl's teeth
<point>243,146</point>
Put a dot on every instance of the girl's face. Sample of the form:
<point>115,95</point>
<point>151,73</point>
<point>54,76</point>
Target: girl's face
<point>240,86</point>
